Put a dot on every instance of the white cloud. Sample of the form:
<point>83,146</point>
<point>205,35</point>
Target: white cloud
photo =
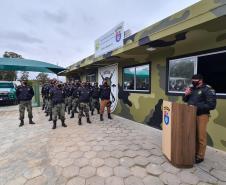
<point>62,32</point>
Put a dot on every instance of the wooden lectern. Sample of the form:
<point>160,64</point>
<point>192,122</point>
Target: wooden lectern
<point>179,133</point>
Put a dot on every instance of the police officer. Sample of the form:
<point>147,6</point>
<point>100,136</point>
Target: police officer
<point>95,103</point>
<point>105,93</point>
<point>75,99</point>
<point>84,98</point>
<point>68,97</point>
<point>43,96</point>
<point>203,97</point>
<point>57,96</point>
<point>70,91</point>
<point>65,87</point>
<point>90,87</point>
<point>50,104</point>
<point>24,94</point>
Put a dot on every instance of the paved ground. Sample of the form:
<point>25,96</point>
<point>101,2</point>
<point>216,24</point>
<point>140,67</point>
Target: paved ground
<point>118,152</point>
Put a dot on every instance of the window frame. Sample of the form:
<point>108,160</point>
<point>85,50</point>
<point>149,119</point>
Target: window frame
<point>91,74</point>
<point>137,91</point>
<point>197,55</point>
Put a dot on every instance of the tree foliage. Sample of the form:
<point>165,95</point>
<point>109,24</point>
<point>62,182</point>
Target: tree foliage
<point>24,75</point>
<point>9,54</point>
<point>42,77</point>
<point>9,75</point>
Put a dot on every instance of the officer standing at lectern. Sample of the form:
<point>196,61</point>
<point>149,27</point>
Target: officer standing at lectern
<point>203,97</point>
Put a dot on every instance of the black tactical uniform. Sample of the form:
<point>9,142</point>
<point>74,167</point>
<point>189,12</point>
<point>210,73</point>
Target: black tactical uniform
<point>68,97</point>
<point>204,98</point>
<point>57,96</point>
<point>75,100</point>
<point>95,103</point>
<point>84,98</point>
<point>24,94</point>
<point>105,93</point>
<point>50,104</point>
<point>43,97</point>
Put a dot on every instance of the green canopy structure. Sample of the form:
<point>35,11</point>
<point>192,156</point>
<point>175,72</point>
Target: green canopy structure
<point>18,64</point>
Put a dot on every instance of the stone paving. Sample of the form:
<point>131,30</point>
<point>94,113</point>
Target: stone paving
<point>116,152</point>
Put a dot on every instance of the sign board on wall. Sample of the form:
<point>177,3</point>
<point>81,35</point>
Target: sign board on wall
<point>110,73</point>
<point>110,41</point>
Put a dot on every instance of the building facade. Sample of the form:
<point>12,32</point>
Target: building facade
<point>157,63</point>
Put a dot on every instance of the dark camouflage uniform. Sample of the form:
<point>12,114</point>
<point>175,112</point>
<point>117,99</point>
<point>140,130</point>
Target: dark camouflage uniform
<point>24,95</point>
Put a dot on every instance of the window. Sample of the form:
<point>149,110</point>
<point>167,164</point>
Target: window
<point>180,73</point>
<point>211,65</point>
<point>137,78</point>
<point>91,78</point>
<point>213,69</point>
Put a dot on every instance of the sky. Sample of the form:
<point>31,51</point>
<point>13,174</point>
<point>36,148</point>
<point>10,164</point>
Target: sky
<point>63,32</point>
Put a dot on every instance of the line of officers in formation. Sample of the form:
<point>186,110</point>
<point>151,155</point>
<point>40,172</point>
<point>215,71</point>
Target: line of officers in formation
<point>75,97</point>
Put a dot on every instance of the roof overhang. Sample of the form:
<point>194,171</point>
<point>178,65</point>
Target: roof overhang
<point>162,34</point>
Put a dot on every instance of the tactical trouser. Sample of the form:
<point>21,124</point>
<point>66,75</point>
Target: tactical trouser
<point>201,135</point>
<point>46,105</point>
<point>43,103</point>
<point>103,104</point>
<point>58,109</point>
<point>95,103</point>
<point>75,104</point>
<point>22,106</point>
<point>90,103</point>
<point>66,101</point>
<point>83,107</point>
<point>50,106</point>
<point>69,103</point>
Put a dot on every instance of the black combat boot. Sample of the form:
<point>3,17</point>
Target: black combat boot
<point>88,120</point>
<point>101,117</point>
<point>54,125</point>
<point>21,123</point>
<point>43,106</point>
<point>30,121</point>
<point>92,112</point>
<point>63,124</point>
<point>72,115</point>
<point>50,117</point>
<point>79,121</point>
<point>68,110</point>
<point>109,116</point>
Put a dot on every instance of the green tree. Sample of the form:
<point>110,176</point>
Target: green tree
<point>9,75</point>
<point>24,75</point>
<point>42,78</point>
<point>9,54</point>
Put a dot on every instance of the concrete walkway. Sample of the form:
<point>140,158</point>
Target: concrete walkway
<point>118,152</point>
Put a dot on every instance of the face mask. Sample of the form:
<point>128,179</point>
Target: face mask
<point>195,83</point>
